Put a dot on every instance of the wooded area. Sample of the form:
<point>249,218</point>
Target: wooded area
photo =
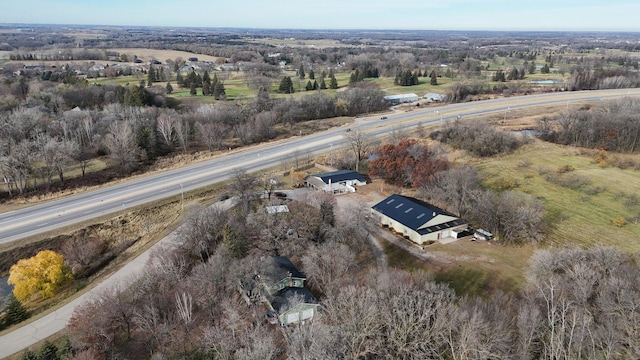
<point>62,120</point>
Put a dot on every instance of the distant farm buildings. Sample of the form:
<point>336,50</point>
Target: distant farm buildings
<point>402,98</point>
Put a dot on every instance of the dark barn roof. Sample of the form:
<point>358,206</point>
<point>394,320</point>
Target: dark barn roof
<point>340,175</point>
<point>414,213</point>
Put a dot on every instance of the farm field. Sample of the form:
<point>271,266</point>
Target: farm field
<point>163,55</point>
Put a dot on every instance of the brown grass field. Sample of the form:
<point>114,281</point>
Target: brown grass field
<point>163,55</point>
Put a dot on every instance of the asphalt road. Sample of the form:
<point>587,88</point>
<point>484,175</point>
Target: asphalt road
<point>18,224</point>
<point>21,223</point>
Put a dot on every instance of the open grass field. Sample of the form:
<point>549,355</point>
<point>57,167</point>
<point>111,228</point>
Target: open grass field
<point>582,216</point>
<point>163,55</point>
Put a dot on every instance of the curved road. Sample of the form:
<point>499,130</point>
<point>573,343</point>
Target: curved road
<point>21,223</point>
<point>18,224</point>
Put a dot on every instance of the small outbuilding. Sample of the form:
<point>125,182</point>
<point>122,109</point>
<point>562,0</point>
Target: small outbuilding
<point>417,220</point>
<point>481,234</point>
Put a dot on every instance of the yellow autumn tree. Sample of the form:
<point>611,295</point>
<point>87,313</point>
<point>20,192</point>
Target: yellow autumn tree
<point>42,274</point>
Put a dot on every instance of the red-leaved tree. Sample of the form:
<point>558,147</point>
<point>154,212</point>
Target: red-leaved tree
<point>406,164</point>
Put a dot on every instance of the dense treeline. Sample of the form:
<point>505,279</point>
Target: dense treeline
<point>613,126</point>
<point>575,303</point>
<point>42,137</point>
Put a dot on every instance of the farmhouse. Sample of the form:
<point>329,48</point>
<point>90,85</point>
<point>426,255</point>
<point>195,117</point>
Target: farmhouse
<point>401,98</point>
<point>280,285</point>
<point>417,220</point>
<point>336,182</point>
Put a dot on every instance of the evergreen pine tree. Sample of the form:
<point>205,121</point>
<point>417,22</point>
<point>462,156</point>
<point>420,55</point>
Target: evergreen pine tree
<point>193,90</point>
<point>214,82</point>
<point>206,78</point>
<point>301,72</point>
<point>323,85</point>
<point>169,88</point>
<point>47,351</point>
<point>415,80</point>
<point>286,85</point>
<point>14,313</point>
<point>545,69</point>
<point>309,86</point>
<point>315,85</point>
<point>434,78</point>
<point>449,73</point>
<point>151,76</point>
<point>219,91</point>
<point>333,83</point>
<point>206,84</point>
<point>206,89</point>
<point>28,355</point>
<point>312,75</point>
<point>235,241</point>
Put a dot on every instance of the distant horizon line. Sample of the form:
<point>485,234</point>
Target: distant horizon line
<point>327,29</point>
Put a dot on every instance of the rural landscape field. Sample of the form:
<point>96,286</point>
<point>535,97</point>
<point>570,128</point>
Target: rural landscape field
<point>155,176</point>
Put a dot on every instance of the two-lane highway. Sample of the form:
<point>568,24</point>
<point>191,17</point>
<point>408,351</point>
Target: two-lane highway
<point>47,216</point>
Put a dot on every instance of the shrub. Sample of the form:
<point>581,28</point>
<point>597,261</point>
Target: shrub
<point>565,168</point>
<point>478,138</point>
<point>595,190</point>
<point>619,221</point>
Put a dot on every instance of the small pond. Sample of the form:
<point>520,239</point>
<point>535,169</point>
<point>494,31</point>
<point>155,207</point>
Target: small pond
<point>545,82</point>
<point>5,289</point>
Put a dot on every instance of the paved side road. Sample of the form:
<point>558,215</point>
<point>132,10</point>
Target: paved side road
<point>30,334</point>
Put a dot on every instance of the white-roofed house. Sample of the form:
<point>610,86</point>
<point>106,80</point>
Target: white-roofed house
<point>336,182</point>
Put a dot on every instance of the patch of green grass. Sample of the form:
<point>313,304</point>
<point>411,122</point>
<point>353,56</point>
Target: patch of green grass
<point>469,268</point>
<point>400,259</point>
<point>466,280</point>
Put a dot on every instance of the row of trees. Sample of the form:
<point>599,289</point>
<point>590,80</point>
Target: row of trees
<point>613,126</point>
<point>41,141</point>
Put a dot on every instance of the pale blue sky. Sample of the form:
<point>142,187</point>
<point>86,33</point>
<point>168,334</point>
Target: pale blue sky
<point>583,15</point>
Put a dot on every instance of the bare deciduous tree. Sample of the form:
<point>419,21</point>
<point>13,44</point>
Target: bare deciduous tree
<point>122,146</point>
<point>359,143</point>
